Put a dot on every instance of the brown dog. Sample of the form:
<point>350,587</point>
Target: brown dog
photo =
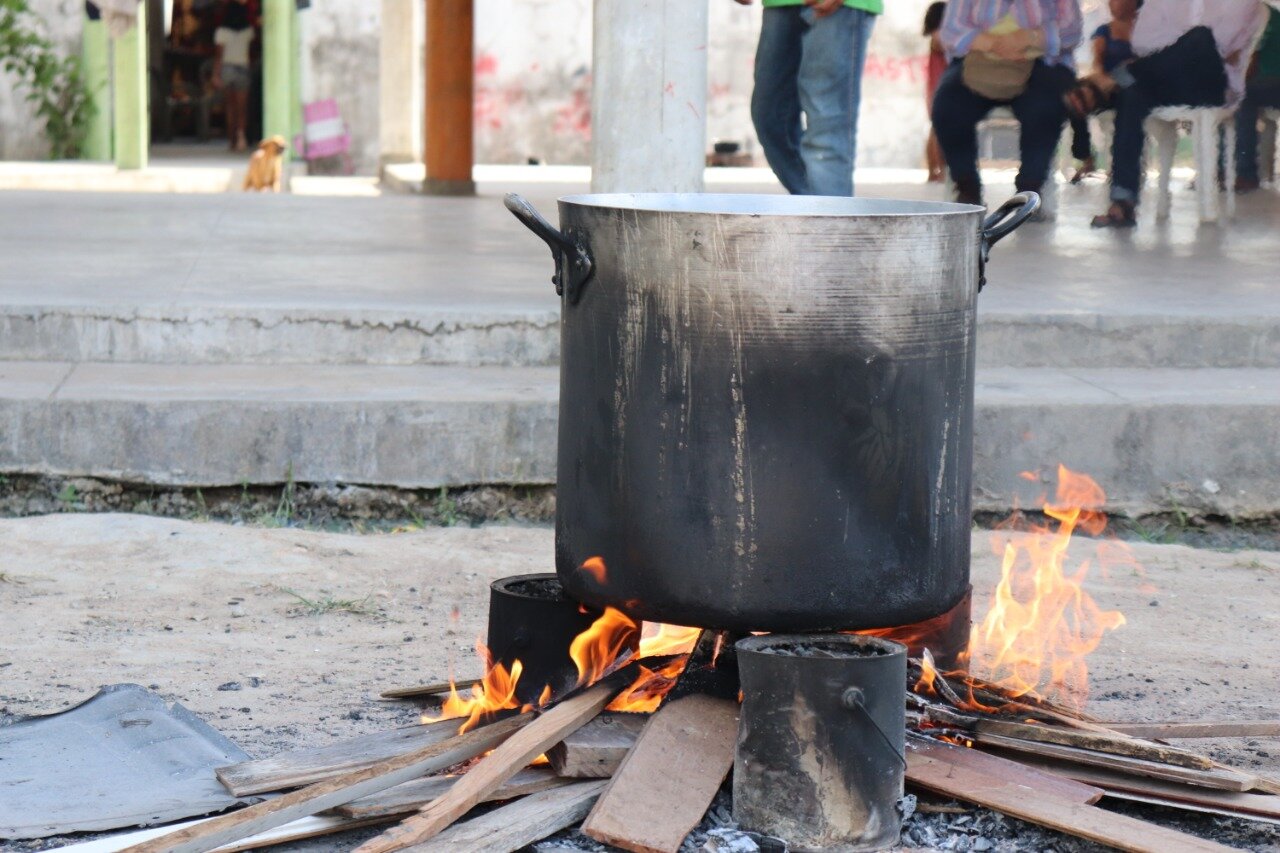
<point>266,166</point>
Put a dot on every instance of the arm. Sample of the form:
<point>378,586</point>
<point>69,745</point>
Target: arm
<point>1064,33</point>
<point>1099,54</point>
<point>959,30</point>
<point>1244,35</point>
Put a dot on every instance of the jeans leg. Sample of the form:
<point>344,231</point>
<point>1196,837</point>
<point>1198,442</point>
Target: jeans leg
<point>1041,115</point>
<point>830,85</point>
<point>1133,105</point>
<point>775,100</point>
<point>957,109</point>
<point>1261,92</point>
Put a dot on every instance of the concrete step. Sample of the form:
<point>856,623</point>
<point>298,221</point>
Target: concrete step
<point>520,336</point>
<point>1202,439</point>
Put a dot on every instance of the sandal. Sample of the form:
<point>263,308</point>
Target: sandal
<point>1121,214</point>
<point>1086,98</point>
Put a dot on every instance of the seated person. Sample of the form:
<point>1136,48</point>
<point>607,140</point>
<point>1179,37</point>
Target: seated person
<point>1004,52</point>
<point>1262,89</point>
<point>1187,53</point>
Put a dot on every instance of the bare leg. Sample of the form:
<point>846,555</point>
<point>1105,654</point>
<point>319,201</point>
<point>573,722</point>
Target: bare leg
<point>933,156</point>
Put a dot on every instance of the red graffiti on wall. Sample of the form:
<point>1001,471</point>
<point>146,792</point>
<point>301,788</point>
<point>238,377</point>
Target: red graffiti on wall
<point>897,69</point>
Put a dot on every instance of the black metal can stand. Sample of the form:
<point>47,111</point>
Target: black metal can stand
<point>532,620</point>
<point>820,755</point>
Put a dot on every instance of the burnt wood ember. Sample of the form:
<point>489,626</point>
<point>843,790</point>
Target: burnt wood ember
<point>533,621</point>
<point>820,749</point>
<point>711,668</point>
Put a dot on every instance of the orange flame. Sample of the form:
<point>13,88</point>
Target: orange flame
<point>1042,624</point>
<point>594,566</point>
<point>646,692</point>
<point>928,674</point>
<point>658,638</point>
<point>595,649</point>
<point>495,692</point>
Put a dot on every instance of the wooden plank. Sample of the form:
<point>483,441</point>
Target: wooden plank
<point>411,796</point>
<point>1223,779</point>
<point>307,827</point>
<point>1203,729</point>
<point>1265,806</point>
<point>519,824</point>
<point>300,767</point>
<point>334,792</point>
<point>936,773</point>
<point>497,767</point>
<point>426,690</point>
<point>595,750</point>
<point>669,778</point>
<point>1109,742</point>
<point>1014,772</point>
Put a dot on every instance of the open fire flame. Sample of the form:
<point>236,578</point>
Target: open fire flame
<point>593,652</point>
<point>1032,642</point>
<point>1042,625</point>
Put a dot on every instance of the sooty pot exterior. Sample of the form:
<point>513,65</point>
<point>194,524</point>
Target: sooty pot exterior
<point>766,407</point>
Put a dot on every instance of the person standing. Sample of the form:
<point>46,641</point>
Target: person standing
<point>809,64</point>
<point>936,68</point>
<point>1261,89</point>
<point>1004,52</point>
<point>232,40</point>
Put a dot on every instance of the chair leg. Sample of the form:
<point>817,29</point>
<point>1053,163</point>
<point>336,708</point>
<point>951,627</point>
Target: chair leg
<point>1230,157</point>
<point>1166,134</point>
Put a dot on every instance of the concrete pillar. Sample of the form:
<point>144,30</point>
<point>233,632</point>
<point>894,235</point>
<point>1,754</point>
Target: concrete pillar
<point>449,84</point>
<point>97,80</point>
<point>648,95</point>
<point>400,70</point>
<point>277,67</point>
<point>295,74</point>
<point>130,87</point>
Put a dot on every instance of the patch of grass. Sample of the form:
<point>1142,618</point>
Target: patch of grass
<point>446,509</point>
<point>67,497</point>
<point>325,603</point>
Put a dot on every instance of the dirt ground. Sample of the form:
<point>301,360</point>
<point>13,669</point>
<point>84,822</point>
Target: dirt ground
<point>210,615</point>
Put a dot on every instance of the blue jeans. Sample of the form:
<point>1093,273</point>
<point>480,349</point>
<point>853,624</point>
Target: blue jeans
<point>1040,112</point>
<point>811,66</point>
<point>1260,92</point>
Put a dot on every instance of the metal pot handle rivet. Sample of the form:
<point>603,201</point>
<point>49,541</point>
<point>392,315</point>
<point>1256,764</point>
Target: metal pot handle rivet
<point>573,261</point>
<point>1001,223</point>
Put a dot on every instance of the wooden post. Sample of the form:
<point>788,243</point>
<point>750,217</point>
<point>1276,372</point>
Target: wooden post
<point>648,96</point>
<point>130,85</point>
<point>97,80</point>
<point>277,47</point>
<point>449,91</point>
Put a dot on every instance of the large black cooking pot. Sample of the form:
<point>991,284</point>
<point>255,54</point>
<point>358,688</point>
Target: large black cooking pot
<point>766,405</point>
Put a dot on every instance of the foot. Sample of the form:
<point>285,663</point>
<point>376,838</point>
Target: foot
<point>1121,214</point>
<point>1087,168</point>
<point>1246,185</point>
<point>968,191</point>
<point>936,178</point>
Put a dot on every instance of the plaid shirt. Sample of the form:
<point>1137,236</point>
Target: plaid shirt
<point>1060,20</point>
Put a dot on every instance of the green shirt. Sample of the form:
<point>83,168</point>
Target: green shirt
<point>875,7</point>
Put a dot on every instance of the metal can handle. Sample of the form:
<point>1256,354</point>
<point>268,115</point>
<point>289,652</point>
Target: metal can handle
<point>1001,223</point>
<point>573,261</point>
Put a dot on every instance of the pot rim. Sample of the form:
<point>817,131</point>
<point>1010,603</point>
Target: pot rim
<point>759,204</point>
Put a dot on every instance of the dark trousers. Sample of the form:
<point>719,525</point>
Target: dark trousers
<point>1261,92</point>
<point>957,109</point>
<point>1187,73</point>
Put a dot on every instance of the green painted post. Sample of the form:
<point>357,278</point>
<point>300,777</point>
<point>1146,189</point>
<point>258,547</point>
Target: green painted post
<point>130,62</point>
<point>277,45</point>
<point>295,73</point>
<point>96,60</point>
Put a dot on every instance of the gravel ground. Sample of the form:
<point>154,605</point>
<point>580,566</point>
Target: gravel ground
<point>187,607</point>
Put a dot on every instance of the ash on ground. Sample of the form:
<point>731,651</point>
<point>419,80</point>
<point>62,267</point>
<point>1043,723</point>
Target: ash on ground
<point>942,825</point>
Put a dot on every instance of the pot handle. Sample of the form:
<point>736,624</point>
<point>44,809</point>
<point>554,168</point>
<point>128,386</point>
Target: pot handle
<point>573,261</point>
<point>1003,222</point>
<point>854,699</point>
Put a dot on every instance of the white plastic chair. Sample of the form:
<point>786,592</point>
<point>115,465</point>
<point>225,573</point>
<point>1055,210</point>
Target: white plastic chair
<point>1267,144</point>
<point>1205,124</point>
